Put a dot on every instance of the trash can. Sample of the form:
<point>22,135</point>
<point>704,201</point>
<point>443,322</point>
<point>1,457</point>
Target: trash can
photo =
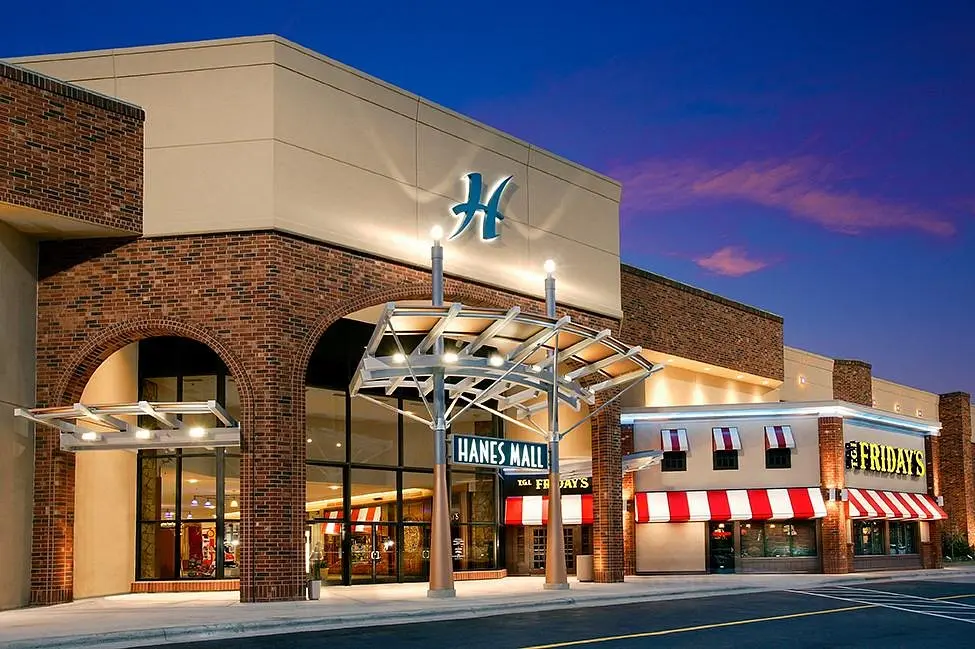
<point>584,567</point>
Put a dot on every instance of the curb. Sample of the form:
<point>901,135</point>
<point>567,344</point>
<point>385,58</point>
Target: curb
<point>279,625</point>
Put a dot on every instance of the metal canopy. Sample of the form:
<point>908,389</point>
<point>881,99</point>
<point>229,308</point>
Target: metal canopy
<point>493,355</point>
<point>89,427</point>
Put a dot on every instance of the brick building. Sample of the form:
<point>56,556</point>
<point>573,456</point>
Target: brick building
<point>281,208</point>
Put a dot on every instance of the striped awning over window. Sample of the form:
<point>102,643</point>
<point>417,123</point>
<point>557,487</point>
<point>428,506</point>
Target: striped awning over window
<point>726,439</point>
<point>893,505</point>
<point>730,505</point>
<point>533,510</point>
<point>673,439</point>
<point>779,437</point>
<point>363,515</point>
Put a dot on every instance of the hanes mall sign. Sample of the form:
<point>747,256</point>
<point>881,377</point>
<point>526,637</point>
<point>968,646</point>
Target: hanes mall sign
<point>880,458</point>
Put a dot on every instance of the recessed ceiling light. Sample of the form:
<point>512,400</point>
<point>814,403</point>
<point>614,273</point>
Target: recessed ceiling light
<point>495,360</point>
<point>670,360</point>
<point>338,444</point>
<point>707,369</point>
<point>197,431</point>
<point>334,487</point>
<point>309,440</point>
<point>398,357</point>
<point>450,357</point>
<point>192,480</point>
<point>740,377</point>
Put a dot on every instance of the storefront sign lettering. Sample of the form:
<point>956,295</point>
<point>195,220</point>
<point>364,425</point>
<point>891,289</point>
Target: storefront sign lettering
<point>537,485</point>
<point>493,452</point>
<point>473,205</point>
<point>880,458</point>
<point>541,484</point>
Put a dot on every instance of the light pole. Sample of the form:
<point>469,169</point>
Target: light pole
<point>441,565</point>
<point>555,572</point>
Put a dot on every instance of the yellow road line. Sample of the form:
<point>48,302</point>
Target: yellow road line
<point>955,596</point>
<point>702,627</point>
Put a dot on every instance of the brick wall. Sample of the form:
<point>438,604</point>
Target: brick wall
<point>835,527</point>
<point>70,152</point>
<point>629,506</point>
<point>607,493</point>
<point>261,301</point>
<point>853,382</point>
<point>956,475</point>
<point>673,318</point>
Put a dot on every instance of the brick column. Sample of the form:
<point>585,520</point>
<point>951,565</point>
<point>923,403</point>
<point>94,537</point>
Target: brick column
<point>955,463</point>
<point>931,554</point>
<point>52,549</point>
<point>607,493</point>
<point>832,469</point>
<point>629,510</point>
<point>853,382</point>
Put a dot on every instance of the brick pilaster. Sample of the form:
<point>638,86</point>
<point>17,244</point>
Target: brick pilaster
<point>955,461</point>
<point>853,382</point>
<point>931,554</point>
<point>52,548</point>
<point>832,468</point>
<point>629,510</point>
<point>607,491</point>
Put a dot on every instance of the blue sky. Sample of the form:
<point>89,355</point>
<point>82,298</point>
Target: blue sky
<point>813,159</point>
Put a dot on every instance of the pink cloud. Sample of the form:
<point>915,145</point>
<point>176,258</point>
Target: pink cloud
<point>731,261</point>
<point>800,186</point>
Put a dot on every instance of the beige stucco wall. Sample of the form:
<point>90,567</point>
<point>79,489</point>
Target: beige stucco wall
<point>260,133</point>
<point>18,295</point>
<point>808,376</point>
<point>676,386</point>
<point>751,471</point>
<point>883,481</point>
<point>105,491</point>
<point>894,397</point>
<point>671,547</point>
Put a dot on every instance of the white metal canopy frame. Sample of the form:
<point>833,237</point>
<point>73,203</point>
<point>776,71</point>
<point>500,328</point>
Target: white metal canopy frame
<point>90,427</point>
<point>503,362</point>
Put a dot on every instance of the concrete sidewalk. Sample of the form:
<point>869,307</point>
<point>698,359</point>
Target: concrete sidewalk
<point>141,620</point>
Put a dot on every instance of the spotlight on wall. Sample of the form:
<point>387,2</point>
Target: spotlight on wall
<point>802,379</point>
<point>897,407</point>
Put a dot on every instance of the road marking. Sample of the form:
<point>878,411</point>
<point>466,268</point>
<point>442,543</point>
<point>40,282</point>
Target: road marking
<point>868,599</point>
<point>956,596</point>
<point>701,627</point>
<point>890,593</point>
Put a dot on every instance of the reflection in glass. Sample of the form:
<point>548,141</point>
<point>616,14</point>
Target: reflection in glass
<point>472,497</point>
<point>199,499</point>
<point>325,424</point>
<point>198,550</point>
<point>868,537</point>
<point>375,433</point>
<point>417,497</point>
<point>903,537</point>
<point>417,439</point>
<point>157,549</point>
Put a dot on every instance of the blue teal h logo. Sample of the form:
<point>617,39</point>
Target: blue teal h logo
<point>473,205</point>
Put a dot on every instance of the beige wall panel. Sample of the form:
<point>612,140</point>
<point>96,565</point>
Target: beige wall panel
<point>676,386</point>
<point>18,295</point>
<point>105,491</point>
<point>445,160</point>
<point>207,55</point>
<point>573,173</point>
<point>314,65</point>
<point>671,547</point>
<point>72,67</point>
<point>904,400</point>
<point>466,129</point>
<point>321,198</point>
<point>205,107</point>
<point>587,277</point>
<point>577,444</point>
<point>209,188</point>
<point>883,481</point>
<point>574,212</point>
<point>815,369</point>
<point>315,116</point>
<point>751,473</point>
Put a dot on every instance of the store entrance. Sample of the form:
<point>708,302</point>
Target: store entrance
<point>372,553</point>
<point>721,542</point>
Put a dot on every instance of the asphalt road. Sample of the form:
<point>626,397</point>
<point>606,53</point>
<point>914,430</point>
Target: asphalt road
<point>889,615</point>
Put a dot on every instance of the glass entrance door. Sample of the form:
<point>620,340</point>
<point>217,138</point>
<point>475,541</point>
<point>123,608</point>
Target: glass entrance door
<point>373,553</point>
<point>722,547</point>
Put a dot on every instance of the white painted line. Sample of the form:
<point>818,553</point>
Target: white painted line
<point>882,605</point>
<point>889,593</point>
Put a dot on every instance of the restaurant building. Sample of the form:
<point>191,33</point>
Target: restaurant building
<point>214,228</point>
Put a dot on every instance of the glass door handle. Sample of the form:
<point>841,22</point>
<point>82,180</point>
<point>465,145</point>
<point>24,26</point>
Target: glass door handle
<point>375,555</point>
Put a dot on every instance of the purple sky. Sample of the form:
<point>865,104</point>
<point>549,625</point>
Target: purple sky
<point>817,162</point>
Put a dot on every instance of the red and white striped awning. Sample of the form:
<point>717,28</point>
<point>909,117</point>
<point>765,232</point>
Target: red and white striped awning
<point>779,437</point>
<point>894,505</point>
<point>730,505</point>
<point>364,515</point>
<point>726,439</point>
<point>533,510</point>
<point>673,439</point>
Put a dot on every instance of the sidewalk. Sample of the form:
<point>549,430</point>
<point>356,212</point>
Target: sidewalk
<point>141,620</point>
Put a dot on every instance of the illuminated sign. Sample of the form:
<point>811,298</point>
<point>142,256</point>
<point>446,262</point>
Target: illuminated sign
<point>491,210</point>
<point>880,458</point>
<point>494,452</point>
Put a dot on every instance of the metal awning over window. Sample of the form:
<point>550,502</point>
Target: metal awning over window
<point>779,437</point>
<point>726,439</point>
<point>893,505</point>
<point>90,427</point>
<point>673,439</point>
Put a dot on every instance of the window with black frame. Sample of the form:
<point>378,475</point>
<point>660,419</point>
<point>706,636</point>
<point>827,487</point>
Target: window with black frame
<point>868,537</point>
<point>903,537</point>
<point>674,461</point>
<point>764,539</point>
<point>778,458</point>
<point>725,460</point>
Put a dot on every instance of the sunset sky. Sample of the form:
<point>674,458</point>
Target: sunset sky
<point>816,161</point>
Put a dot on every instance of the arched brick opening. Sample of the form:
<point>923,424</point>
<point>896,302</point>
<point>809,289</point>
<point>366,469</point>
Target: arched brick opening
<point>53,532</point>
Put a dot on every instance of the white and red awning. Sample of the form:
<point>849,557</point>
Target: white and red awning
<point>673,439</point>
<point>779,437</point>
<point>533,510</point>
<point>893,505</point>
<point>730,505</point>
<point>726,439</point>
<point>363,515</point>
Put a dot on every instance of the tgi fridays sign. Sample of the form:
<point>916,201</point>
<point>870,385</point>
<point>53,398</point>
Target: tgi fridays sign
<point>880,458</point>
<point>537,485</point>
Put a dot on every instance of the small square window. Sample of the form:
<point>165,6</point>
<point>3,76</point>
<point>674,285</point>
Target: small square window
<point>725,460</point>
<point>778,458</point>
<point>674,461</point>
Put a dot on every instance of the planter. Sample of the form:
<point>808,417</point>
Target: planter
<point>314,589</point>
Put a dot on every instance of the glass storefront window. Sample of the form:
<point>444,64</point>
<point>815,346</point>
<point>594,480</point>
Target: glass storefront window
<point>157,550</point>
<point>232,399</point>
<point>323,492</point>
<point>417,439</point>
<point>473,497</point>
<point>200,388</point>
<point>417,497</point>
<point>198,550</point>
<point>903,537</point>
<point>373,496</point>
<point>868,537</point>
<point>325,424</point>
<point>375,433</point>
<point>199,485</point>
<point>777,538</point>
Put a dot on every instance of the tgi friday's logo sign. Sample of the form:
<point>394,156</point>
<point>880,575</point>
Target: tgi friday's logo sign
<point>880,458</point>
